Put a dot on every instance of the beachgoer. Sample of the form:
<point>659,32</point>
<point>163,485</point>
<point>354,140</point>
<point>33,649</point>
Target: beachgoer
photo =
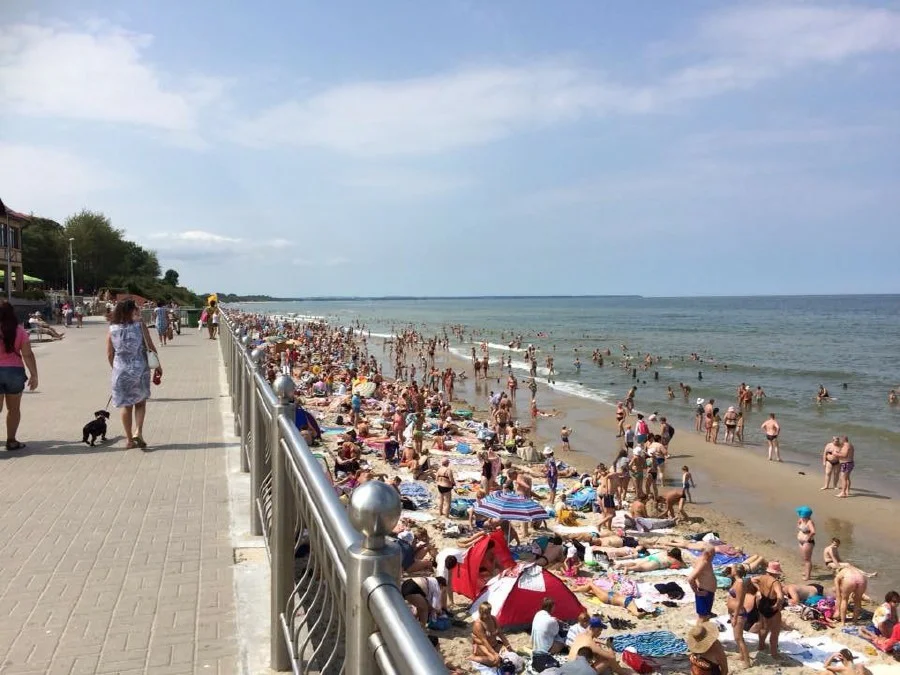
<point>886,615</point>
<point>844,662</point>
<point>668,560</point>
<point>608,597</point>
<point>564,434</point>
<point>545,639</point>
<point>885,644</point>
<point>687,482</point>
<point>772,429</point>
<point>127,344</point>
<point>850,583</point>
<point>806,538</point>
<point>730,420</point>
<point>831,463</point>
<point>707,655</point>
<point>425,595</point>
<point>702,581</point>
<point>770,602</point>
<point>668,502</point>
<point>742,608</point>
<point>445,482</point>
<point>161,321</point>
<point>488,640</point>
<point>832,558</point>
<point>15,355</point>
<point>846,454</point>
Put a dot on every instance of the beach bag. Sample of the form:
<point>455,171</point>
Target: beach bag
<point>152,357</point>
<point>540,662</point>
<point>638,663</point>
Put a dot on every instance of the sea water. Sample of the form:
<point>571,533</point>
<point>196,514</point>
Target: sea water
<point>788,345</point>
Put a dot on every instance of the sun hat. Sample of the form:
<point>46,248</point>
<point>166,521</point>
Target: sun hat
<point>596,621</point>
<point>701,637</point>
<point>804,511</point>
<point>774,568</point>
<point>700,401</point>
<point>548,451</point>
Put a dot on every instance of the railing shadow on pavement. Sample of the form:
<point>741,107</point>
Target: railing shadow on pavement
<point>336,606</point>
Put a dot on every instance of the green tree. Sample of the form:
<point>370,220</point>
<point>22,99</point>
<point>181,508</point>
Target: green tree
<point>100,249</point>
<point>45,252</point>
<point>171,277</point>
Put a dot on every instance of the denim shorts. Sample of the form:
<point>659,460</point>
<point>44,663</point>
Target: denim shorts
<point>12,380</point>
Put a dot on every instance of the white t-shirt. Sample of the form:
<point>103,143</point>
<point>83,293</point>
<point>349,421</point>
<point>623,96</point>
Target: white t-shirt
<point>441,560</point>
<point>575,630</point>
<point>544,632</point>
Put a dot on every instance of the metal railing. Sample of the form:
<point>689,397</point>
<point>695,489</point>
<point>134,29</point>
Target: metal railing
<point>336,607</point>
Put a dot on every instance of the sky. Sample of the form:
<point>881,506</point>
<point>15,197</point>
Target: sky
<point>467,147</point>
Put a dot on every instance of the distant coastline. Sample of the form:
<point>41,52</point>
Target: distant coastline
<point>234,298</point>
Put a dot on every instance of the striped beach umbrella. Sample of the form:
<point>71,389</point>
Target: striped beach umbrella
<point>510,506</point>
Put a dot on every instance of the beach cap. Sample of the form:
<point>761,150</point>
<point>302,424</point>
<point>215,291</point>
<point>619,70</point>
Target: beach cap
<point>701,637</point>
<point>596,622</point>
<point>804,511</point>
<point>700,401</point>
<point>774,568</point>
<point>548,451</point>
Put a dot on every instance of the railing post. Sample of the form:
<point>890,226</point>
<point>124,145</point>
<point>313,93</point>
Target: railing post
<point>257,450</point>
<point>237,384</point>
<point>246,399</point>
<point>283,519</point>
<point>374,511</point>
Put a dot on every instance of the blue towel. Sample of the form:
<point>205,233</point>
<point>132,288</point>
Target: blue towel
<point>720,559</point>
<point>417,493</point>
<point>653,643</point>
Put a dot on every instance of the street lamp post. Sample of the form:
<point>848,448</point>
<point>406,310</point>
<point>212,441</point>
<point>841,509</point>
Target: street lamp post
<point>71,270</point>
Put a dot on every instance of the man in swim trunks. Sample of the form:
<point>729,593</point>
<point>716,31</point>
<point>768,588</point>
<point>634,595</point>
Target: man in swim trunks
<point>772,429</point>
<point>846,455</point>
<point>702,581</point>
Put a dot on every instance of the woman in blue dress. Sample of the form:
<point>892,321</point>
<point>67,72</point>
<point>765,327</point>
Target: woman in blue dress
<point>126,347</point>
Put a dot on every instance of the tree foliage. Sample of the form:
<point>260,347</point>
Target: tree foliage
<point>104,258</point>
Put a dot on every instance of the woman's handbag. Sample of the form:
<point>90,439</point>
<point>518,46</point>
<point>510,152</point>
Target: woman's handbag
<point>152,357</point>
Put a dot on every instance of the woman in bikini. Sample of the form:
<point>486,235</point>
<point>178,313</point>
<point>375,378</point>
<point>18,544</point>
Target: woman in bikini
<point>609,598</point>
<point>770,602</point>
<point>849,583</point>
<point>668,560</point>
<point>487,638</point>
<point>743,611</point>
<point>445,484</point>
<point>806,538</point>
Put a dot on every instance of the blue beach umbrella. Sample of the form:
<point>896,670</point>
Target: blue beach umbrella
<point>511,506</point>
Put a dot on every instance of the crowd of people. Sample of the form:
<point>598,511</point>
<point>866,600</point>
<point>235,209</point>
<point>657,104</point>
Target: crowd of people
<point>601,533</point>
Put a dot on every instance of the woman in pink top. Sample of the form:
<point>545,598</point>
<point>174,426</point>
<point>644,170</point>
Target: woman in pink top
<point>15,354</point>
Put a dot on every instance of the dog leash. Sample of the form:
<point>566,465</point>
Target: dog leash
<point>108,401</point>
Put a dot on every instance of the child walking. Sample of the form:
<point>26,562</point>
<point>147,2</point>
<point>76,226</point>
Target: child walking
<point>687,482</point>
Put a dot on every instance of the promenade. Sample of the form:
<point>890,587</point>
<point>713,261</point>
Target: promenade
<point>115,560</point>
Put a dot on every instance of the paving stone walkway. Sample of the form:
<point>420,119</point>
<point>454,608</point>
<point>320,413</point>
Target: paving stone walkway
<point>115,560</point>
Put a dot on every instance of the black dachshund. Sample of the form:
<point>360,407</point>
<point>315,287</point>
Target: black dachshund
<point>96,427</point>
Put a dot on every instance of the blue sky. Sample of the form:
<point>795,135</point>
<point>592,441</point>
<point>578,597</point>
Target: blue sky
<point>467,147</point>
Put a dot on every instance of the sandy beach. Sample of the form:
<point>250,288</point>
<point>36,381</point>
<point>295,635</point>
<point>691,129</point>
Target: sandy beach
<point>763,495</point>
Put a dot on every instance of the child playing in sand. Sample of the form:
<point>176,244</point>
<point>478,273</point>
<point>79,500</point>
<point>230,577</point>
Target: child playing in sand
<point>687,482</point>
<point>572,565</point>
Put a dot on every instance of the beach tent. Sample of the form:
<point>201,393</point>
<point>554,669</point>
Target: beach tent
<point>516,596</point>
<point>466,577</point>
<point>303,417</point>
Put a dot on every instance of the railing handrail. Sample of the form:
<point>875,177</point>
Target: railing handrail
<point>380,630</point>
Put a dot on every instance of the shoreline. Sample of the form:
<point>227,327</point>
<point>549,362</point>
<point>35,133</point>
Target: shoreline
<point>739,492</point>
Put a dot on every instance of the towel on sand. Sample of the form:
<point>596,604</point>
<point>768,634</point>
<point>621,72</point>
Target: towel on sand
<point>653,643</point>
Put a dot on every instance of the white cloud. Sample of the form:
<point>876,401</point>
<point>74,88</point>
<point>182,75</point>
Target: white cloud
<point>49,181</point>
<point>98,73</point>
<point>733,49</point>
<point>193,245</point>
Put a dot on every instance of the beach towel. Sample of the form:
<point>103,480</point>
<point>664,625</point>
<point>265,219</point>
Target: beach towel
<point>417,493</point>
<point>418,516</point>
<point>654,592</point>
<point>653,643</point>
<point>721,559</point>
<point>573,529</point>
<point>582,499</point>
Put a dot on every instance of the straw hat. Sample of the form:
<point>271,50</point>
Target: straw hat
<point>701,637</point>
<point>774,568</point>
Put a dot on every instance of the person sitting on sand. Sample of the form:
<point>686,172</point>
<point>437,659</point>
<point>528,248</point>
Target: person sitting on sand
<point>707,655</point>
<point>348,458</point>
<point>668,560</point>
<point>609,597</point>
<point>586,647</point>
<point>488,639</point>
<point>843,662</point>
<point>885,644</point>
<point>886,615</point>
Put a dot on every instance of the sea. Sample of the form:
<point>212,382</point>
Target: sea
<point>788,345</point>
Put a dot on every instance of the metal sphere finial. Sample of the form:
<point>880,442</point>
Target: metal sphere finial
<point>283,386</point>
<point>246,339</point>
<point>374,511</point>
<point>258,355</point>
